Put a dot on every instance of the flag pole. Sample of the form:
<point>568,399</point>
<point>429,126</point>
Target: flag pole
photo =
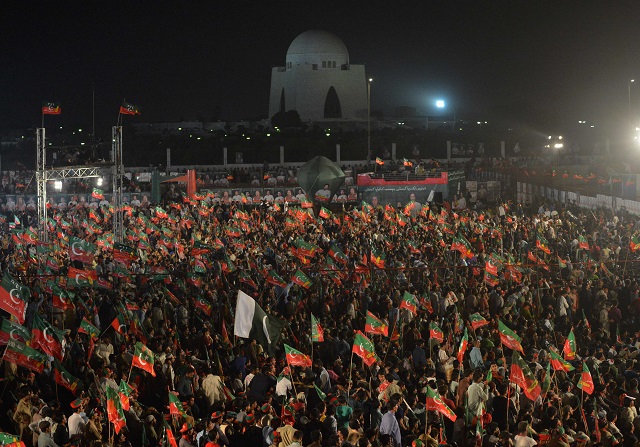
<point>350,370</point>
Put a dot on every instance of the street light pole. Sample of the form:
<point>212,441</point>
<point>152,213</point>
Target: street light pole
<point>369,115</point>
<point>629,86</point>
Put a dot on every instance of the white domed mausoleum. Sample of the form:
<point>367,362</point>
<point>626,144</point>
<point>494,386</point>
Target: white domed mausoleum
<point>318,81</point>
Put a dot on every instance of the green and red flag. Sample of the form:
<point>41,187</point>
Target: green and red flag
<point>338,254</point>
<point>583,243</point>
<point>306,248</point>
<point>97,193</point>
<point>161,213</point>
<point>321,394</point>
<point>379,161</point>
<point>296,358</point>
<point>324,213</point>
<point>81,278</point>
<point>374,325</point>
<point>490,279</point>
<point>10,330</point>
<point>47,338</point>
<point>119,323</point>
<point>301,279</point>
<point>558,363</point>
<point>491,268</point>
<point>461,244</point>
<point>24,355</point>
<point>569,349</point>
<point>61,299</point>
<point>199,248</point>
<point>175,406</point>
<point>586,381</point>
<point>317,333</point>
<point>124,254</point>
<point>275,279</point>
<point>124,391</point>
<point>477,321</point>
<point>13,297</point>
<point>562,263</point>
<point>129,109</point>
<point>143,359</point>
<point>114,410</point>
<point>51,108</point>
<point>522,376</point>
<point>306,203</point>
<point>245,278</point>
<point>409,302</point>
<point>63,378</point>
<point>509,338</point>
<point>542,244</point>
<point>170,438</point>
<point>8,440</point>
<point>203,305</point>
<point>634,244</point>
<point>435,332</point>
<point>363,348</point>
<point>464,343</point>
<point>377,257</point>
<point>435,403</point>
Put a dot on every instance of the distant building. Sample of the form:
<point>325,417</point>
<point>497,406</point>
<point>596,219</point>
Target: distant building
<point>318,81</point>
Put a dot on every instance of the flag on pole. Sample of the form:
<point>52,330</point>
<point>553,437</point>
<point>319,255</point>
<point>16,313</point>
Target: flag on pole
<point>586,381</point>
<point>51,108</point>
<point>124,391</point>
<point>509,338</point>
<point>275,279</point>
<point>435,332</point>
<point>464,343</point>
<point>378,257</point>
<point>546,382</point>
<point>143,359</point>
<point>175,406</point>
<point>409,302</point>
<point>374,325</point>
<point>63,378</point>
<point>522,376</point>
<point>129,109</point>
<point>558,363</point>
<point>583,243</point>
<point>477,321</point>
<point>364,348</point>
<point>114,410</point>
<point>435,403</point>
<point>569,349</point>
<point>295,357</point>
<point>634,244</point>
<point>301,279</point>
<point>13,297</point>
<point>80,250</point>
<point>10,330</point>
<point>47,338</point>
<point>253,322</point>
<point>317,334</point>
<point>97,194</point>
<point>379,161</point>
<point>24,355</point>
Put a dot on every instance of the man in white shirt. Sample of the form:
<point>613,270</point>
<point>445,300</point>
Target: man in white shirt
<point>284,384</point>
<point>77,423</point>
<point>476,394</point>
<point>268,197</point>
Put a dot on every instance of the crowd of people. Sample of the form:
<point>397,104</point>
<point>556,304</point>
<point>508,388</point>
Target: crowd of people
<point>438,304</point>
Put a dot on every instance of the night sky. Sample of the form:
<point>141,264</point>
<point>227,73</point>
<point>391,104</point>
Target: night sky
<point>535,63</point>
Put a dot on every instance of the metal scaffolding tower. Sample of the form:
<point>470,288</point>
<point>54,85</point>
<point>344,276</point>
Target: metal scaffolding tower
<point>45,174</point>
<point>118,174</point>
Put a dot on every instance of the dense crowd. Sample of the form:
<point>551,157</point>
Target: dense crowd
<point>133,343</point>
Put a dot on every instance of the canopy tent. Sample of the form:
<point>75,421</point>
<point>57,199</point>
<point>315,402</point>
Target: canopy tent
<point>318,172</point>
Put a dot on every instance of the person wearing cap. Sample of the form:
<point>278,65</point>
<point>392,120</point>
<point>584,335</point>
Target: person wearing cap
<point>186,438</point>
<point>78,423</point>
<point>216,420</point>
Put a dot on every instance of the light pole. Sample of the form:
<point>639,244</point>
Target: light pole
<point>369,115</point>
<point>629,87</point>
